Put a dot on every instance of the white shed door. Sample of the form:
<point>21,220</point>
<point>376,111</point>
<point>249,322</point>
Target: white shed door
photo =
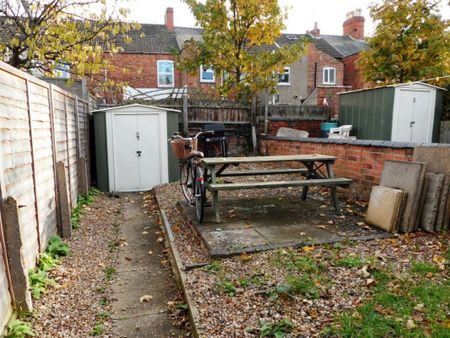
<point>413,116</point>
<point>137,160</point>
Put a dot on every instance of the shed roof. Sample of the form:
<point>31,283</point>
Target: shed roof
<point>406,84</point>
<point>134,105</point>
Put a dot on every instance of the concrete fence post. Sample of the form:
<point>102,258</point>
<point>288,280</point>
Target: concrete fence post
<point>83,186</point>
<point>63,200</point>
<point>13,240</point>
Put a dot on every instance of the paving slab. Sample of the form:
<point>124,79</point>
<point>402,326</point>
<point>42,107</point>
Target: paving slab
<point>409,177</point>
<point>140,273</point>
<point>441,221</point>
<point>385,206</point>
<point>432,196</point>
<point>437,159</point>
<point>256,224</point>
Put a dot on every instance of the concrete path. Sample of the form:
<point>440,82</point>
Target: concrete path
<point>138,274</point>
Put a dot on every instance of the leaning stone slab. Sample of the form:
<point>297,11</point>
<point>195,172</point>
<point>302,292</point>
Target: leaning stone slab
<point>437,159</point>
<point>441,223</point>
<point>385,207</point>
<point>409,177</point>
<point>291,133</point>
<point>434,183</point>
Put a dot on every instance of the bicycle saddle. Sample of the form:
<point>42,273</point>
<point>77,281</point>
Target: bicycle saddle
<point>195,153</point>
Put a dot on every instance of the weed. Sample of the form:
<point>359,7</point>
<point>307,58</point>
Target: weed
<point>113,245</point>
<point>98,329</point>
<point>103,301</point>
<point>47,262</point>
<point>38,282</point>
<point>182,306</point>
<point>215,266</point>
<point>277,330</point>
<point>350,262</point>
<point>109,272</point>
<point>244,282</point>
<point>56,248</point>
<point>101,289</point>
<point>103,315</point>
<point>227,287</point>
<point>19,329</point>
<point>304,285</point>
<point>422,268</point>
<point>82,201</point>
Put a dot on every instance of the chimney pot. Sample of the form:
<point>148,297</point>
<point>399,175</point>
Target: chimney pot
<point>168,18</point>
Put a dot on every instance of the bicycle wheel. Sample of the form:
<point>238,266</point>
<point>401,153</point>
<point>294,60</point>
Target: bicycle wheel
<point>186,182</point>
<point>200,197</point>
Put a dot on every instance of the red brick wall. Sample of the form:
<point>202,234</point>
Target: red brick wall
<point>352,75</point>
<point>311,126</point>
<point>323,60</point>
<point>139,70</point>
<point>361,163</point>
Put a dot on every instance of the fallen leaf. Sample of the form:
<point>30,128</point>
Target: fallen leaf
<point>145,232</point>
<point>330,222</point>
<point>160,239</point>
<point>308,248</point>
<point>150,252</point>
<point>361,224</point>
<point>321,226</point>
<point>419,307</point>
<point>245,257</point>
<point>363,271</point>
<point>370,282</point>
<point>145,298</point>
<point>410,324</point>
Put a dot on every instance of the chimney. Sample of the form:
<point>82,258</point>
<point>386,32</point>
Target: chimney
<point>168,18</point>
<point>315,32</point>
<point>354,24</point>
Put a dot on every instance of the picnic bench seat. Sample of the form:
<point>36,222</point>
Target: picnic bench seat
<point>280,184</point>
<point>301,171</point>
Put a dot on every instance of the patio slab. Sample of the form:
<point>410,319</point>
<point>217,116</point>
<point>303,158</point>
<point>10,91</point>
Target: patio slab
<point>256,224</point>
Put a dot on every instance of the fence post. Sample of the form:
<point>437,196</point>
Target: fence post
<point>83,186</point>
<point>185,118</point>
<point>266,111</point>
<point>63,202</point>
<point>13,241</point>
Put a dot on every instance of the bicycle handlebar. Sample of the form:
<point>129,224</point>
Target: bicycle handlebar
<point>175,136</point>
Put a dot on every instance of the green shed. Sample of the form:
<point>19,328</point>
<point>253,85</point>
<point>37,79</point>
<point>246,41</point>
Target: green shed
<point>131,148</point>
<point>409,112</point>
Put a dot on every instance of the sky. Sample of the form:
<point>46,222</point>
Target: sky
<point>329,14</point>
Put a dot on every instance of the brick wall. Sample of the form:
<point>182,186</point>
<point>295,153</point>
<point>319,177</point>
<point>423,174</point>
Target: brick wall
<point>352,75</point>
<point>354,27</point>
<point>311,126</point>
<point>139,70</point>
<point>360,160</point>
<point>323,60</point>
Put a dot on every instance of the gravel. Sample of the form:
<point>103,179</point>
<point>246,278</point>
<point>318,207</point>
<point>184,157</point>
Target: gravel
<point>70,308</point>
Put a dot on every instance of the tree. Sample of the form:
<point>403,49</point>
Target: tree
<point>44,35</point>
<point>411,42</point>
<point>239,42</point>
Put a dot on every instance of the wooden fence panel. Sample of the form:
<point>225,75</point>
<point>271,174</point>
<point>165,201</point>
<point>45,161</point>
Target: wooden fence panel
<point>16,160</point>
<point>445,132</point>
<point>38,126</point>
<point>43,157</point>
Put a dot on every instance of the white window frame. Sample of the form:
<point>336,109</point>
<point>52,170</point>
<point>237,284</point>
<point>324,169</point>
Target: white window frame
<point>327,70</point>
<point>202,80</point>
<point>286,70</point>
<point>165,73</point>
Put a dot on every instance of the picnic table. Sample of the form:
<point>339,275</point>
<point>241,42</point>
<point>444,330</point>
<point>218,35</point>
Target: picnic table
<point>312,170</point>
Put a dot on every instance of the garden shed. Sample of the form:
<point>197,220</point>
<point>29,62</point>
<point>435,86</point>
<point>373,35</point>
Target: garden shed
<point>409,112</point>
<point>131,147</point>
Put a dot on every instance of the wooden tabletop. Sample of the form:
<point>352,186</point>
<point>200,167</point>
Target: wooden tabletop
<point>259,159</point>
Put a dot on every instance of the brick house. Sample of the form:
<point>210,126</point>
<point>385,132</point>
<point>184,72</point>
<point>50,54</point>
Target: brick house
<point>327,68</point>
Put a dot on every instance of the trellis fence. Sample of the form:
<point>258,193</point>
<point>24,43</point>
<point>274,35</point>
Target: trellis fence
<point>44,161</point>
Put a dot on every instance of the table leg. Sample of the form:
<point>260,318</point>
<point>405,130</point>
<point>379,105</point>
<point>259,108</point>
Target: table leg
<point>309,175</point>
<point>215,195</point>
<point>334,199</point>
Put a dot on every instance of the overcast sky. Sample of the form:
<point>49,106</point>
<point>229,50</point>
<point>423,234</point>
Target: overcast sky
<point>329,14</point>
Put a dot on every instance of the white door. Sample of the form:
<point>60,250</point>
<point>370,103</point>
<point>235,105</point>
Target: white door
<point>137,163</point>
<point>413,119</point>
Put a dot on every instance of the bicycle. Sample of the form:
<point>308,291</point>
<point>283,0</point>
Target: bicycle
<point>192,176</point>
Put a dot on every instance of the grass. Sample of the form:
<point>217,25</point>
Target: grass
<point>406,306</point>
<point>214,267</point>
<point>423,268</point>
<point>350,262</point>
<point>98,329</point>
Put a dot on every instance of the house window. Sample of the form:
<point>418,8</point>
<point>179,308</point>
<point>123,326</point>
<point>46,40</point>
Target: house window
<point>329,75</point>
<point>207,75</point>
<point>284,78</point>
<point>165,73</point>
